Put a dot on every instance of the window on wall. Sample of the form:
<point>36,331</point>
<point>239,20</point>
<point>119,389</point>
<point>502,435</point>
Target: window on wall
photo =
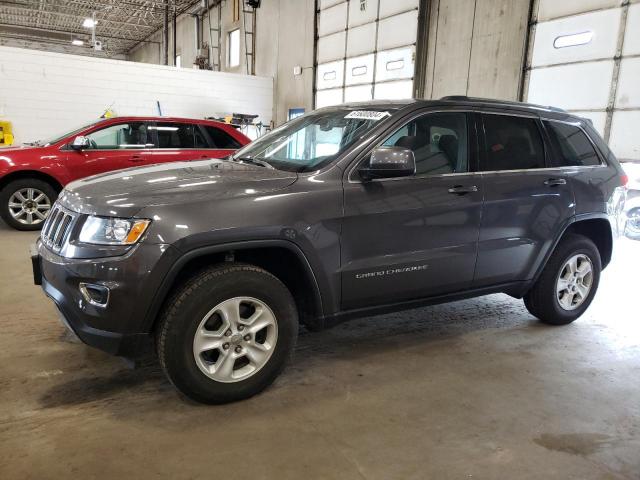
<point>235,5</point>
<point>234,47</point>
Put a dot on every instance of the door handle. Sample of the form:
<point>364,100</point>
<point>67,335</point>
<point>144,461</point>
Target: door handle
<point>135,158</point>
<point>552,182</point>
<point>461,190</point>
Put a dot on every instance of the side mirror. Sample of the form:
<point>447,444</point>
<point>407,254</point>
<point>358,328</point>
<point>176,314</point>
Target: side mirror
<point>80,142</point>
<point>389,162</point>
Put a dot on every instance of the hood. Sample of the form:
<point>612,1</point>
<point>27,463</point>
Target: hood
<point>126,192</point>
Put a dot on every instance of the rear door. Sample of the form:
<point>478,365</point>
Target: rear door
<point>177,141</point>
<point>114,147</point>
<point>527,199</point>
<point>414,237</point>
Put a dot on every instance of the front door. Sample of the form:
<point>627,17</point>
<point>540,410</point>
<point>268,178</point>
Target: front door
<point>115,147</point>
<point>526,200</point>
<point>414,237</point>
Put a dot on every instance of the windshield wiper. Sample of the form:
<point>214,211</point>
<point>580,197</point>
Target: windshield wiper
<point>254,161</point>
<point>35,143</point>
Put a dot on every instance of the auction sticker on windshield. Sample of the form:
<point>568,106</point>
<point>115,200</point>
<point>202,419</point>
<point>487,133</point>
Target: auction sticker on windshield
<point>367,115</point>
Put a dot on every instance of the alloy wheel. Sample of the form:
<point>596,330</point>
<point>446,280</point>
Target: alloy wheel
<point>574,282</point>
<point>29,206</point>
<point>235,339</point>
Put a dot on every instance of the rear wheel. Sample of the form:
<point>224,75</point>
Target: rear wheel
<point>227,333</point>
<point>25,203</point>
<point>568,282</point>
<point>632,228</point>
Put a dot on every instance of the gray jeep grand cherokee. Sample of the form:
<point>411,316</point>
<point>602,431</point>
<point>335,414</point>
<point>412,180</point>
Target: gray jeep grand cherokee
<point>345,212</point>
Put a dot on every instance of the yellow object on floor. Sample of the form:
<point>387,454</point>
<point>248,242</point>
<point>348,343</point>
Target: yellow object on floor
<point>6,137</point>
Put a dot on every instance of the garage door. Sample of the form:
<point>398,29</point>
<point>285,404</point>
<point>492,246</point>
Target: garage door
<point>586,59</point>
<point>366,50</point>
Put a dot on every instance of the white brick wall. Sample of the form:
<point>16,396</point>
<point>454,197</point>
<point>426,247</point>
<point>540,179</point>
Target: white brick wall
<point>44,93</point>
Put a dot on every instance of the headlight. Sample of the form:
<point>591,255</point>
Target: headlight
<point>112,231</point>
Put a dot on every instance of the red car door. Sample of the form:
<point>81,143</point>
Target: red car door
<point>117,146</point>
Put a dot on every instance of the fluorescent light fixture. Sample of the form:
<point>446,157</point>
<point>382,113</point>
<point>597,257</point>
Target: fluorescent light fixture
<point>89,23</point>
<point>163,129</point>
<point>573,40</point>
<point>77,42</point>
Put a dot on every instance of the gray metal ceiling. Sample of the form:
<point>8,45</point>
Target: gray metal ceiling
<point>52,24</point>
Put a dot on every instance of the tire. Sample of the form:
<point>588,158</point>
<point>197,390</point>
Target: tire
<point>545,303</point>
<point>200,306</point>
<point>26,187</point>
<point>632,227</point>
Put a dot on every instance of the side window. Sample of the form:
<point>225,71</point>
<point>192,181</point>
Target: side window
<point>121,136</point>
<point>221,139</point>
<point>512,143</point>
<point>572,145</point>
<point>438,141</point>
<point>174,135</point>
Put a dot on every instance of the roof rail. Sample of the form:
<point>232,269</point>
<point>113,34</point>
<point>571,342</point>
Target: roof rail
<point>464,98</point>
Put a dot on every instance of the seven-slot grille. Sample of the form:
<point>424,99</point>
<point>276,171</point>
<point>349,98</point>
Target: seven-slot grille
<point>57,227</point>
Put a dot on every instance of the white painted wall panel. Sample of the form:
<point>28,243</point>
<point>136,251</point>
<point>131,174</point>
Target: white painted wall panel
<point>360,93</point>
<point>359,16</point>
<point>632,33</point>
<point>398,31</point>
<point>624,135</point>
<point>567,86</point>
<point>392,7</point>
<point>330,75</point>
<point>332,20</point>
<point>324,4</point>
<point>359,70</point>
<point>394,90</point>
<point>395,64</point>
<point>326,98</point>
<point>361,40</point>
<point>331,47</point>
<point>628,94</point>
<point>549,9</point>
<point>46,93</point>
<point>604,26</point>
<point>597,118</point>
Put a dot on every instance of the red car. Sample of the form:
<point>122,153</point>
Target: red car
<point>31,176</point>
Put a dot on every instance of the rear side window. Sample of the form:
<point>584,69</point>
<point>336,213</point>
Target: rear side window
<point>175,135</point>
<point>221,139</point>
<point>573,148</point>
<point>512,143</point>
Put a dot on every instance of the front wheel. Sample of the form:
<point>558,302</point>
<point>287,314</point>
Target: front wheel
<point>25,203</point>
<point>227,333</point>
<point>568,282</point>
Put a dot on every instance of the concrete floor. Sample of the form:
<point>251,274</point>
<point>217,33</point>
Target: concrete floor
<point>473,389</point>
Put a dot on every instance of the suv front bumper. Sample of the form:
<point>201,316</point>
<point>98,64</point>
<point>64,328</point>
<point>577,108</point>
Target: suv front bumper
<point>118,327</point>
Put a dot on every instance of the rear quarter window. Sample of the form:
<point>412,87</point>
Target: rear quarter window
<point>572,146</point>
<point>221,139</point>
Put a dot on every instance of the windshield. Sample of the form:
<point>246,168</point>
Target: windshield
<point>50,141</point>
<point>310,142</point>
